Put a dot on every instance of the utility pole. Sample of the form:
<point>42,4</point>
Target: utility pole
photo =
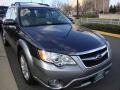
<point>95,6</point>
<point>103,7</point>
<point>77,9</point>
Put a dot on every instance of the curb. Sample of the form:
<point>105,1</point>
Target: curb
<point>108,34</point>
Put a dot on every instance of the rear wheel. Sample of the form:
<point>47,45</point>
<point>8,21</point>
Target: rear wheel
<point>25,69</point>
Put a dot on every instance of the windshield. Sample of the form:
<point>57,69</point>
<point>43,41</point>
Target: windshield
<point>42,16</point>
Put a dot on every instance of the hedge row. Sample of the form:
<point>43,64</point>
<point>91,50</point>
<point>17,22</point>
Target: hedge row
<point>104,27</point>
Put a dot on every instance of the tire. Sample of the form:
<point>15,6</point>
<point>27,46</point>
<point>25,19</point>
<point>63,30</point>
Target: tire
<point>25,69</point>
<point>5,42</point>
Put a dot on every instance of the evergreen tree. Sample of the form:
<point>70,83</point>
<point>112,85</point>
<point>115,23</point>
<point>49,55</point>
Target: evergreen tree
<point>113,9</point>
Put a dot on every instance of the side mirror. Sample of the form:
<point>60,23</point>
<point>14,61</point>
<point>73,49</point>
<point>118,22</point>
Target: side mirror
<point>9,22</point>
<point>71,20</point>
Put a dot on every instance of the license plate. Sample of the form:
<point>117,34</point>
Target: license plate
<point>99,76</point>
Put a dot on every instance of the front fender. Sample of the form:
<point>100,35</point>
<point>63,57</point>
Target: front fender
<point>25,48</point>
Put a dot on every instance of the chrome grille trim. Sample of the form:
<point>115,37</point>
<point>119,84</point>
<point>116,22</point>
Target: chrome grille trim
<point>90,51</point>
<point>93,58</point>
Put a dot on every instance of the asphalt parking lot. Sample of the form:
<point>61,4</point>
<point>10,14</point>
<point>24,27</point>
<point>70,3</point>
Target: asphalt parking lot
<point>111,82</point>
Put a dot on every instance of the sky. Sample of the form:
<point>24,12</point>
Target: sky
<point>8,2</point>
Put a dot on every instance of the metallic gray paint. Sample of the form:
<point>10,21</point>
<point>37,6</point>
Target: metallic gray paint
<point>44,72</point>
<point>26,50</point>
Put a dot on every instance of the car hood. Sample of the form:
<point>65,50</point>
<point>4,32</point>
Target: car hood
<point>64,39</point>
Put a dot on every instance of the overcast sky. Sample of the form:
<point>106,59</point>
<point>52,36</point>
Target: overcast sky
<point>8,2</point>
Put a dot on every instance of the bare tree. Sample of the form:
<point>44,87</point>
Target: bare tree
<point>67,9</point>
<point>88,6</point>
<point>57,4</point>
<point>79,9</point>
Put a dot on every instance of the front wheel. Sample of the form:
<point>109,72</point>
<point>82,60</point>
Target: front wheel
<point>25,69</point>
<point>4,39</point>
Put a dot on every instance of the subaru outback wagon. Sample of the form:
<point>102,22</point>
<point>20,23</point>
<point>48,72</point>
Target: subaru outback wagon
<point>52,50</point>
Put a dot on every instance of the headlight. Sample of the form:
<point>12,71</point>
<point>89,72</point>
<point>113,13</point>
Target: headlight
<point>55,58</point>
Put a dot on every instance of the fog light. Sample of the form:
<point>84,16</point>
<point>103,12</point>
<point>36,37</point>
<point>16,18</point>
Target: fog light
<point>55,83</point>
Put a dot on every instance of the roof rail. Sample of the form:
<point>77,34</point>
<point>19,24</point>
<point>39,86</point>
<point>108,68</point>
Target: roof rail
<point>15,4</point>
<point>20,3</point>
<point>43,4</point>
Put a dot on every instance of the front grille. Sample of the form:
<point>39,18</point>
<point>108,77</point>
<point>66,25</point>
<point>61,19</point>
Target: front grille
<point>94,58</point>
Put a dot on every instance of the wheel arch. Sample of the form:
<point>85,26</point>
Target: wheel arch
<point>22,45</point>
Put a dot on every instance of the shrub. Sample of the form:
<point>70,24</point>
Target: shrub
<point>104,27</point>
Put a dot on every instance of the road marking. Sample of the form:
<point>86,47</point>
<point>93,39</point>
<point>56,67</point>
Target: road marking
<point>108,34</point>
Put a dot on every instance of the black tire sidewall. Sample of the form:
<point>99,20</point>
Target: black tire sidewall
<point>4,38</point>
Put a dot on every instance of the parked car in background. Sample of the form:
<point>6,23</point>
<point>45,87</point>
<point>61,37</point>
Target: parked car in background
<point>3,10</point>
<point>0,23</point>
<point>53,50</point>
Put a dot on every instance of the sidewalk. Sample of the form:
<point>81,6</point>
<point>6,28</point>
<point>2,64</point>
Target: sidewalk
<point>7,81</point>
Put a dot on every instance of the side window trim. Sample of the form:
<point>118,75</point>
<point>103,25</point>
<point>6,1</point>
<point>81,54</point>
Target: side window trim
<point>13,13</point>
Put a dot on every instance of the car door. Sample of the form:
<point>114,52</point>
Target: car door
<point>6,27</point>
<point>12,30</point>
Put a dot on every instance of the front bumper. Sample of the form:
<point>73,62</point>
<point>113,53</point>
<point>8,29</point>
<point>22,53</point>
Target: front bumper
<point>68,76</point>
<point>84,81</point>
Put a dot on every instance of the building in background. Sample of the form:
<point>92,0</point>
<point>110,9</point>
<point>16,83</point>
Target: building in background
<point>92,5</point>
<point>73,3</point>
<point>102,5</point>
